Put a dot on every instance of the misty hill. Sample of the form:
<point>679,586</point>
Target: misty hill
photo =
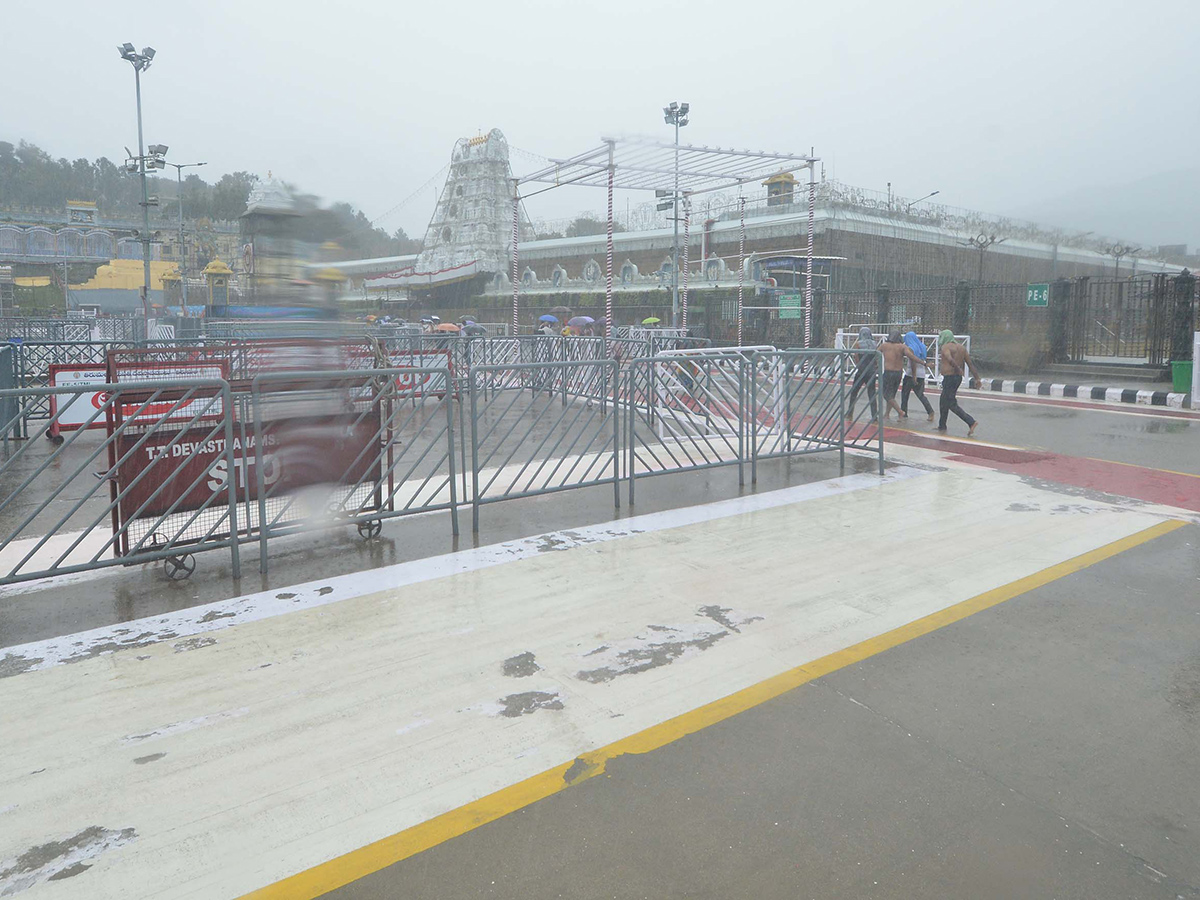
<point>1157,209</point>
<point>31,179</point>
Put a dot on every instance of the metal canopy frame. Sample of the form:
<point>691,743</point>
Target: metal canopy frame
<point>647,165</point>
<point>644,164</point>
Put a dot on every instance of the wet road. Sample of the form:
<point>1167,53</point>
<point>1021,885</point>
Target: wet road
<point>1137,436</point>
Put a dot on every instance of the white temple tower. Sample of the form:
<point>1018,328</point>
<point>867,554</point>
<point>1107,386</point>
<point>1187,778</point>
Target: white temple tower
<point>469,237</point>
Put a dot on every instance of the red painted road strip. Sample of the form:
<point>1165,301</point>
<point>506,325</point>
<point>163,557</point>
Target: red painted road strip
<point>1136,482</point>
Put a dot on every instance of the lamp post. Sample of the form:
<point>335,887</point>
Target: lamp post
<point>676,114</point>
<point>141,62</point>
<point>1117,251</point>
<point>922,200</point>
<point>179,167</point>
<point>983,242</point>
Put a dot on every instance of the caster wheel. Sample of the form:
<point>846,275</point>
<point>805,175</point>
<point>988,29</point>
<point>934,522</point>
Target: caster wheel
<point>55,439</point>
<point>179,568</point>
<point>369,530</point>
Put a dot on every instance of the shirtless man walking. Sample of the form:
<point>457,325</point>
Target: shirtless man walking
<point>955,360</point>
<point>895,352</point>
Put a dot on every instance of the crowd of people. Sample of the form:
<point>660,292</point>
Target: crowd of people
<point>906,368</point>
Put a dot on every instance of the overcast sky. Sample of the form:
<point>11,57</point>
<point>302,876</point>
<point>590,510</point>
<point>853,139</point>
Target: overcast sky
<point>995,105</point>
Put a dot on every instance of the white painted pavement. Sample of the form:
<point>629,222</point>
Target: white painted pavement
<point>217,761</point>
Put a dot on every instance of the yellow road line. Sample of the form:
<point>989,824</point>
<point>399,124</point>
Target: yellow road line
<point>343,870</point>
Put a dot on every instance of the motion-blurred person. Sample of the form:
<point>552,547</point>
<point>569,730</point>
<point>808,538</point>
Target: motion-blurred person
<point>955,360</point>
<point>867,371</point>
<point>914,380</point>
<point>895,353</point>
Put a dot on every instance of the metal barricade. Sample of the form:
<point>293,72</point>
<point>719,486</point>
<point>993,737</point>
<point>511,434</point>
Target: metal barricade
<point>864,425</point>
<point>539,428</point>
<point>799,400</point>
<point>689,410</point>
<point>9,406</point>
<point>684,413</point>
<point>355,448</point>
<point>160,492</point>
<point>38,360</point>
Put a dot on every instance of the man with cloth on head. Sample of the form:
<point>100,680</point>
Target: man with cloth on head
<point>955,360</point>
<point>895,352</point>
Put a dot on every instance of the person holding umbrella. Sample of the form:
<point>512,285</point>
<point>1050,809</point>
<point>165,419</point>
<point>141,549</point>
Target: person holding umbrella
<point>548,323</point>
<point>580,324</point>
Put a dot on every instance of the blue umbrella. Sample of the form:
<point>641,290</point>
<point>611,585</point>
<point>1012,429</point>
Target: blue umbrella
<point>548,318</point>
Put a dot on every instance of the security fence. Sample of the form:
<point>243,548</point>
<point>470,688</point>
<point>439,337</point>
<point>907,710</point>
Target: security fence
<point>193,448</point>
<point>379,443</point>
<point>1085,318</point>
<point>538,428</point>
<point>735,406</point>
<point>84,328</point>
<point>143,491</point>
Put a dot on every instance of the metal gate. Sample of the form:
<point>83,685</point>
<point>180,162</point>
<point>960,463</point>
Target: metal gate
<point>1121,319</point>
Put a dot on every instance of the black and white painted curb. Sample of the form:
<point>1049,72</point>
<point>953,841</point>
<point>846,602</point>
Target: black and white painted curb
<point>1088,392</point>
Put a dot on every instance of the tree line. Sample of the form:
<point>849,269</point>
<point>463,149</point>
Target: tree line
<point>31,179</point>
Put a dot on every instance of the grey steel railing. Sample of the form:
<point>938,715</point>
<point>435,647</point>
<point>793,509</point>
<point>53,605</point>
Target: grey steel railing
<point>730,407</point>
<point>539,428</point>
<point>372,444</point>
<point>799,402</point>
<point>156,469</point>
<point>684,413</point>
<point>156,494</point>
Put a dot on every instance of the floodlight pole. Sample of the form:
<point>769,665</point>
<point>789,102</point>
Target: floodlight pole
<point>675,114</point>
<point>675,242</point>
<point>137,80</point>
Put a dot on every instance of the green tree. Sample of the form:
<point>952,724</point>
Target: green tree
<point>229,195</point>
<point>585,225</point>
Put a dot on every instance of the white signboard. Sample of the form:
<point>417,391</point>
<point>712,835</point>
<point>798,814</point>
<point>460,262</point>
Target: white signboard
<point>76,412</point>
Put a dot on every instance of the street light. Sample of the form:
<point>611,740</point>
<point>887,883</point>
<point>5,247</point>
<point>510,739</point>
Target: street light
<point>179,167</point>
<point>141,62</point>
<point>982,242</point>
<point>1119,250</point>
<point>676,114</point>
<point>926,197</point>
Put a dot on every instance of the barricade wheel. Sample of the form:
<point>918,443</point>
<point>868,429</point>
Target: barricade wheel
<point>369,530</point>
<point>179,568</point>
<point>55,439</point>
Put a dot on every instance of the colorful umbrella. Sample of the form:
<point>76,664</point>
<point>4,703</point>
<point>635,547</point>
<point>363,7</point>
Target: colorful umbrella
<point>580,321</point>
<point>652,320</point>
<point>448,327</point>
<point>548,318</point>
